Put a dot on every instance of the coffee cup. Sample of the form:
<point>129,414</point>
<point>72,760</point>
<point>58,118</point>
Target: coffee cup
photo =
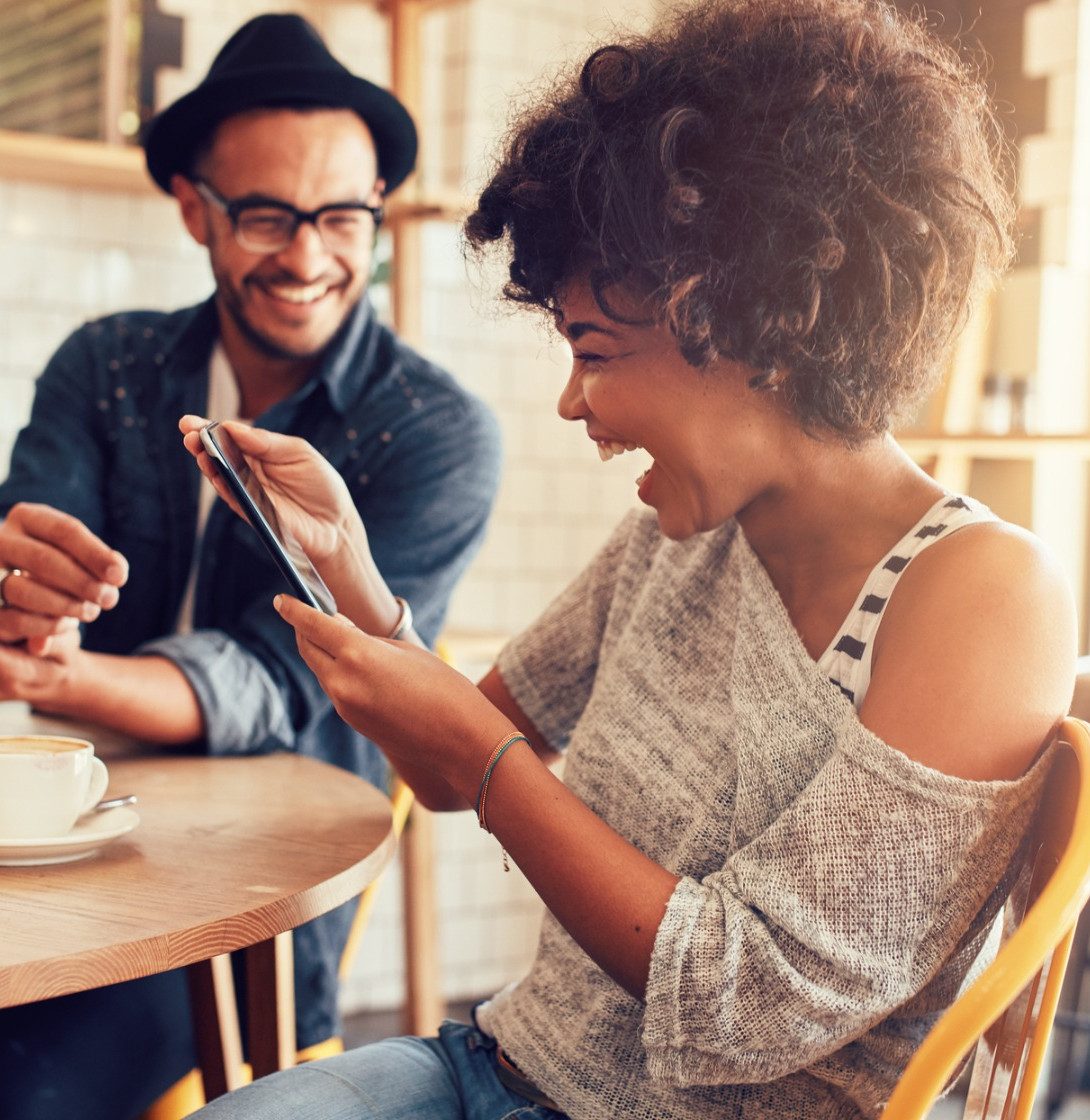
<point>46,783</point>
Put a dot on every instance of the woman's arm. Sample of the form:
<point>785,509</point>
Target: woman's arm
<point>440,735</point>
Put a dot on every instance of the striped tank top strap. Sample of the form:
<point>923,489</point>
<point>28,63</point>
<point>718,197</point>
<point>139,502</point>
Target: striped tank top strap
<point>847,660</point>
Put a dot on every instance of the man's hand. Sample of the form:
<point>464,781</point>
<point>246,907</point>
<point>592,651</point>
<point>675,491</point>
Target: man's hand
<point>38,670</point>
<point>54,574</point>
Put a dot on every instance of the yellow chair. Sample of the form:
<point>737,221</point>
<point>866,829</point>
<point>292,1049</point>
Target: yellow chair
<point>1007,1012</point>
<point>187,1095</point>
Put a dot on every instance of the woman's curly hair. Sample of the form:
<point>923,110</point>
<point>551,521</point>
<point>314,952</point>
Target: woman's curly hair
<point>812,187</point>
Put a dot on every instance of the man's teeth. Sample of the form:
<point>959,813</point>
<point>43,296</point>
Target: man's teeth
<point>608,448</point>
<point>294,293</point>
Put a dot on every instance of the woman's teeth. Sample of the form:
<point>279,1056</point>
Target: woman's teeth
<point>608,448</point>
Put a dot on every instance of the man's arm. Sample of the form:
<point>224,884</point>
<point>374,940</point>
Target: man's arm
<point>148,698</point>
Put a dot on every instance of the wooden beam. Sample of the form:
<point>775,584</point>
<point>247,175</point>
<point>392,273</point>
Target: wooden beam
<point>73,163</point>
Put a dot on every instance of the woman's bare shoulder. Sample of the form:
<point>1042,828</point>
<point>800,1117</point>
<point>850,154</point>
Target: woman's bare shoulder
<point>975,658</point>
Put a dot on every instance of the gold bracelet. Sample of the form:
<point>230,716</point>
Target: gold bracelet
<point>493,758</point>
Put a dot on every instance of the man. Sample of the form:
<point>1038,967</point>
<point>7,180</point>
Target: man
<point>128,596</point>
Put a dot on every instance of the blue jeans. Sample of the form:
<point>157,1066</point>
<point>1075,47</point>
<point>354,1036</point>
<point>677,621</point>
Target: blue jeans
<point>452,1077</point>
<point>105,1054</point>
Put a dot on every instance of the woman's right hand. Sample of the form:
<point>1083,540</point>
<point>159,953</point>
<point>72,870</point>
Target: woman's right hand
<point>315,506</point>
<point>311,498</point>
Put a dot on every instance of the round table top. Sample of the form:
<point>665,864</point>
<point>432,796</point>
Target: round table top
<point>227,852</point>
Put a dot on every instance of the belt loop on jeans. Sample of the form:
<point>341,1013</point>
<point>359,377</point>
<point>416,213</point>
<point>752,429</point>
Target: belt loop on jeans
<point>515,1080</point>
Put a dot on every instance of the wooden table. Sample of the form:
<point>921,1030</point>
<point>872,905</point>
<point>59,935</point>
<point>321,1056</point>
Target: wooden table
<point>229,854</point>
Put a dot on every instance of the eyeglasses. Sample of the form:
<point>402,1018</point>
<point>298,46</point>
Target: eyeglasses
<point>266,225</point>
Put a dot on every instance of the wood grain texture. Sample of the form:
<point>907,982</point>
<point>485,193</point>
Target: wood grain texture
<point>228,852</point>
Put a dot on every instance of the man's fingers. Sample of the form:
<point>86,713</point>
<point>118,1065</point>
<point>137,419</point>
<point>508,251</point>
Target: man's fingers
<point>24,591</point>
<point>18,625</point>
<point>63,552</point>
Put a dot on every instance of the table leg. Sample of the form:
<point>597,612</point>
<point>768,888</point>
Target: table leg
<point>215,1021</point>
<point>424,1006</point>
<point>270,1004</point>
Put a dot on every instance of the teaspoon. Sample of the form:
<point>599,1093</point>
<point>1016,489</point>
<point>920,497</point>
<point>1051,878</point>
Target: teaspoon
<point>114,802</point>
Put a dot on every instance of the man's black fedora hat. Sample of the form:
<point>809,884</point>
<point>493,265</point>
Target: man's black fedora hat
<point>277,60</point>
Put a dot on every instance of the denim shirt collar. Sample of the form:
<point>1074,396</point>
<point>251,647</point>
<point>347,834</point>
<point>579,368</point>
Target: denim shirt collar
<point>349,351</point>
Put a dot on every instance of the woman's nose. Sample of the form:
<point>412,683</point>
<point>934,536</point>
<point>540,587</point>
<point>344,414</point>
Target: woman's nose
<point>571,404</point>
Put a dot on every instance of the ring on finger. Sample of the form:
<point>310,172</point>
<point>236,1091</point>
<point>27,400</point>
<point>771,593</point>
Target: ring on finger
<point>4,573</point>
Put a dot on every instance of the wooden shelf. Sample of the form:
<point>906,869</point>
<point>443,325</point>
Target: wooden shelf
<point>73,163</point>
<point>979,445</point>
<point>447,206</point>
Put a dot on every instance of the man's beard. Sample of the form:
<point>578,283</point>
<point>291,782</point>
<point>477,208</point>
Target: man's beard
<point>271,349</point>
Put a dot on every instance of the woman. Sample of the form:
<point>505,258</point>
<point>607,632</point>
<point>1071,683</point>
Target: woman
<point>802,691</point>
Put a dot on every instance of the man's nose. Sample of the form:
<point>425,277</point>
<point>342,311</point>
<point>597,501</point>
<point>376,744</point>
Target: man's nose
<point>305,254</point>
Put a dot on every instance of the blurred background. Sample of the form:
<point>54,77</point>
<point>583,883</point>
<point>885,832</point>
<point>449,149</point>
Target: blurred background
<point>83,232</point>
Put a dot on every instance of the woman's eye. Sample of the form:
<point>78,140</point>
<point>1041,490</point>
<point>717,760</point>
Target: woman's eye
<point>590,359</point>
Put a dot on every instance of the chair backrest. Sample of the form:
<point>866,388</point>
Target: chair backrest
<point>401,797</point>
<point>1008,1011</point>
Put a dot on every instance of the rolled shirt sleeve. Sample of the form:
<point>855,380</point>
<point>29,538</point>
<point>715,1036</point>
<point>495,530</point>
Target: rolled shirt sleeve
<point>243,706</point>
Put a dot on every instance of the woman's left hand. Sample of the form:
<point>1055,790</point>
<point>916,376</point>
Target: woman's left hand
<point>419,710</point>
<point>311,498</point>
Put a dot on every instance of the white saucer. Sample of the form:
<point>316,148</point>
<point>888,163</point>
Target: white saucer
<point>86,837</point>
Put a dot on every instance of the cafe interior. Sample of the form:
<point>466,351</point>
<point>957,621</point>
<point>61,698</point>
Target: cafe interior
<point>84,232</point>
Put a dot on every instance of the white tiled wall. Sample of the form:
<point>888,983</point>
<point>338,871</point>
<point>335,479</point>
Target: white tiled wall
<point>70,255</point>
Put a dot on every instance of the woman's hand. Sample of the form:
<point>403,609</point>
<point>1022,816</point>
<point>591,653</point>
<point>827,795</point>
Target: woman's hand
<point>311,498</point>
<point>423,713</point>
<point>314,505</point>
<point>439,731</point>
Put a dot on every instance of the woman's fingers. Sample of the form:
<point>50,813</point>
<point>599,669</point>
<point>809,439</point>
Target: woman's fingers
<point>258,443</point>
<point>325,634</point>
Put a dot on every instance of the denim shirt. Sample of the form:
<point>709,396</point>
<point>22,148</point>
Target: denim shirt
<point>420,455</point>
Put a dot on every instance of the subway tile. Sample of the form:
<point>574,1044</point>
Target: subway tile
<point>28,216</point>
<point>158,225</point>
<point>107,215</point>
<point>1045,169</point>
<point>1050,39</point>
<point>1054,232</point>
<point>16,393</point>
<point>21,266</point>
<point>1061,103</point>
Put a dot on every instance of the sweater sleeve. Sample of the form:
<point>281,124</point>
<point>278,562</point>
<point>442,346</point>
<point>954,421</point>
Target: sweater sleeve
<point>819,926</point>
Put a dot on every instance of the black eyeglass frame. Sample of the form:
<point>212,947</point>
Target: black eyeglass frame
<point>234,207</point>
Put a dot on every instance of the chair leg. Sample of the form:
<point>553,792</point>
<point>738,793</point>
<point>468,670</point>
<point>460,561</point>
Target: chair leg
<point>1071,1019</point>
<point>215,1020</point>
<point>270,1004</point>
<point>424,1008</point>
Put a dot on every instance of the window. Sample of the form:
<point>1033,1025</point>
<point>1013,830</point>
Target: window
<point>82,68</point>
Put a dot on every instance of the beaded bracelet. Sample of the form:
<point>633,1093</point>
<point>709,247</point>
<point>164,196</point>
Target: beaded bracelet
<point>482,794</point>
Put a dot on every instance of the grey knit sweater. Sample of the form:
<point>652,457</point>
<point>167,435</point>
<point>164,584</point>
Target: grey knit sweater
<point>835,894</point>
